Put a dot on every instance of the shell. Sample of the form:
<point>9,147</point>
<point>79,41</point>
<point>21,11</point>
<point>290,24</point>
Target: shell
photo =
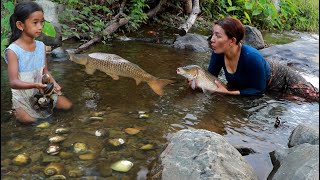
<point>57,139</point>
<point>122,166</point>
<point>62,130</point>
<point>43,125</point>
<point>21,159</point>
<point>116,142</point>
<point>80,148</point>
<point>143,116</point>
<point>132,131</point>
<point>54,168</point>
<point>57,177</point>
<point>53,149</point>
<point>147,147</point>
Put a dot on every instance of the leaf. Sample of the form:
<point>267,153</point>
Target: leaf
<point>230,2</point>
<point>248,5</point>
<point>256,12</point>
<point>48,29</point>
<point>9,6</point>
<point>247,16</point>
<point>4,43</point>
<point>232,8</point>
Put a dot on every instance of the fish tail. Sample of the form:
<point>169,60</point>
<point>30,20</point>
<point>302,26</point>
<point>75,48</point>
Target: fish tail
<point>157,85</point>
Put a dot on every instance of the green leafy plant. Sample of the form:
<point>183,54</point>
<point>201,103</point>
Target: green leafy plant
<point>7,9</point>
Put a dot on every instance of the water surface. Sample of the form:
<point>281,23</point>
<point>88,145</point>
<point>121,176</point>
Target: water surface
<point>241,120</point>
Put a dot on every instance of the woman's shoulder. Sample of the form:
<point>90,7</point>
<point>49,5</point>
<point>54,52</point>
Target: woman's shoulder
<point>250,51</point>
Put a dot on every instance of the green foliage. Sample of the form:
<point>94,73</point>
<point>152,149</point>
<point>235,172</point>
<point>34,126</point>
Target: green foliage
<point>7,8</point>
<point>136,14</point>
<point>300,15</point>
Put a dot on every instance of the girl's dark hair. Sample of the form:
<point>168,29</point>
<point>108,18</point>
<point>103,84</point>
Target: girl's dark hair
<point>232,27</point>
<point>21,12</point>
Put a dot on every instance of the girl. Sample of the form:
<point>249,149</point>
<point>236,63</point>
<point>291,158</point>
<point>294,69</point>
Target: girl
<point>246,71</point>
<point>26,59</point>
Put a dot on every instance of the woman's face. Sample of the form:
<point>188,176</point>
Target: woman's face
<point>220,42</point>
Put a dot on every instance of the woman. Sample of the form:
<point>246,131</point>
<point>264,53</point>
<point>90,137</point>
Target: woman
<point>246,71</point>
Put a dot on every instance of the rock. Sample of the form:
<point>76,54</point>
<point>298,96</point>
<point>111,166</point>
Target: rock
<point>193,42</point>
<point>202,155</point>
<point>299,162</point>
<point>304,133</point>
<point>253,37</point>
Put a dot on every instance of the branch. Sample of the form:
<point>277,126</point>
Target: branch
<point>155,10</point>
<point>184,28</point>
<point>112,26</point>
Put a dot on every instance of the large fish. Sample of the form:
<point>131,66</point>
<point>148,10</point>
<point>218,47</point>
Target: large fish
<point>199,77</point>
<point>115,66</point>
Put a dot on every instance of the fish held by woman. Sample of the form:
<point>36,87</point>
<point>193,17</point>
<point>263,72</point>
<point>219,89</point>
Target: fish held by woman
<point>199,77</point>
<point>115,66</point>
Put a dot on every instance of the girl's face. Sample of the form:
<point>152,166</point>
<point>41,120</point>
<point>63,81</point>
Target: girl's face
<point>33,24</point>
<point>220,42</point>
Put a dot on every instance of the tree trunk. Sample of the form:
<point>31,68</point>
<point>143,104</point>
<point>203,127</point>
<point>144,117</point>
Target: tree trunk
<point>188,6</point>
<point>184,28</point>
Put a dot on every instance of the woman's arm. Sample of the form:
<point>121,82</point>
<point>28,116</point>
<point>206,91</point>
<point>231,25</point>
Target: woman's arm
<point>15,82</point>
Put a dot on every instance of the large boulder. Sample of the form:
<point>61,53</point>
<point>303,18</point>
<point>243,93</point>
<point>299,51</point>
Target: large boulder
<point>304,133</point>
<point>201,154</point>
<point>51,11</point>
<point>253,37</point>
<point>194,42</point>
<point>299,162</point>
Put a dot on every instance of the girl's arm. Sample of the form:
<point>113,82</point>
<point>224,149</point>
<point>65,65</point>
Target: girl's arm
<point>15,82</point>
<point>57,87</point>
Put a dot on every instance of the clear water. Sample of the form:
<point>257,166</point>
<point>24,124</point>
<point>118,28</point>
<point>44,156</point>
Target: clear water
<point>242,121</point>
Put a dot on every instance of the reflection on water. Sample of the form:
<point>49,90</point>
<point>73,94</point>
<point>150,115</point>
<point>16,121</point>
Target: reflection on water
<point>243,121</point>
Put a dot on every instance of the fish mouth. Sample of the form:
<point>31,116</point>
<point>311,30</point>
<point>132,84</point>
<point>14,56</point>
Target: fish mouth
<point>178,71</point>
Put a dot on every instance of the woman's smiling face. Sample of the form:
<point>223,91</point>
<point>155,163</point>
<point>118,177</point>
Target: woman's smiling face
<point>219,40</point>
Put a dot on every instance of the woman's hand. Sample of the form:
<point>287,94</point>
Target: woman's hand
<point>221,88</point>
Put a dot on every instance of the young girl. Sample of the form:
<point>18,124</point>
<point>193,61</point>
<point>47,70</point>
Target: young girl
<point>26,59</point>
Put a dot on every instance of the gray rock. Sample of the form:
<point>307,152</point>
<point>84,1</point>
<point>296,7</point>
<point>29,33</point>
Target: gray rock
<point>193,42</point>
<point>299,162</point>
<point>253,37</point>
<point>202,155</point>
<point>304,133</point>
<point>51,15</point>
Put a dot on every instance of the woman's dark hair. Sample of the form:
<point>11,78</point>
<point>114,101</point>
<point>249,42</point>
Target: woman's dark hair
<point>21,12</point>
<point>232,27</point>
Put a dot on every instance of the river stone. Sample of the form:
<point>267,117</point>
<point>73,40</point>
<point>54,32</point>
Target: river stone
<point>299,162</point>
<point>195,42</point>
<point>304,133</point>
<point>202,155</point>
<point>253,37</point>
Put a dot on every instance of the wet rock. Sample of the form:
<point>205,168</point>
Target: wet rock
<point>65,155</point>
<point>298,162</point>
<point>202,155</point>
<point>244,151</point>
<point>74,173</point>
<point>304,133</point>
<point>87,156</point>
<point>48,158</point>
<point>253,37</point>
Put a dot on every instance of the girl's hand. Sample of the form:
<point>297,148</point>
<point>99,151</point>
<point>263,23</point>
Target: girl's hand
<point>40,86</point>
<point>57,88</point>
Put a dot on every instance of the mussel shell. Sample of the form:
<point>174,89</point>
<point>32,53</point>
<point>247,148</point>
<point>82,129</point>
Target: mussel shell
<point>53,149</point>
<point>122,166</point>
<point>49,88</point>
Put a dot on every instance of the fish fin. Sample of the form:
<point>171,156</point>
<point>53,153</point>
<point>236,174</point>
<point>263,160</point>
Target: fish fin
<point>138,81</point>
<point>114,77</point>
<point>157,85</point>
<point>90,70</point>
<point>193,84</point>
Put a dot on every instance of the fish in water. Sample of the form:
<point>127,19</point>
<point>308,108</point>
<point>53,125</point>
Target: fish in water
<point>115,66</point>
<point>199,77</point>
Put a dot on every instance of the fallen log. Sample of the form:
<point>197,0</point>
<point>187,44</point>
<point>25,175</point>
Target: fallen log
<point>184,28</point>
